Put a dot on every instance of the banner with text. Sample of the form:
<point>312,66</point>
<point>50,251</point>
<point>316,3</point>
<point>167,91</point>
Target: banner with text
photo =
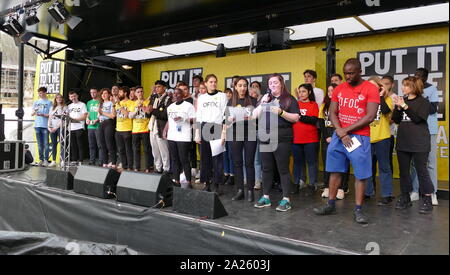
<point>185,75</point>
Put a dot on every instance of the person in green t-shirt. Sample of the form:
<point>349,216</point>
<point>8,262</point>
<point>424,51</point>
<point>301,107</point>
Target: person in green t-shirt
<point>93,123</point>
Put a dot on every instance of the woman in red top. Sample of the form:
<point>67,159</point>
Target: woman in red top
<point>306,138</point>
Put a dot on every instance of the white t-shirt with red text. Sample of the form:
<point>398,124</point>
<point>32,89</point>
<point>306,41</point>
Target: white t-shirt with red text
<point>352,103</point>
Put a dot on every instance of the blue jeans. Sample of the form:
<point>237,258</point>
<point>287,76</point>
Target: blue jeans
<point>55,138</point>
<point>380,153</point>
<point>228,166</point>
<point>305,153</point>
<point>42,141</point>
<point>431,165</point>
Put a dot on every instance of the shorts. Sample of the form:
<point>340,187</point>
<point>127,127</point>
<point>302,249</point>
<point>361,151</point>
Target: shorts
<point>338,157</point>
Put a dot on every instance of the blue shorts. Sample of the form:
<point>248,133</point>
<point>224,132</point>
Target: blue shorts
<point>338,157</point>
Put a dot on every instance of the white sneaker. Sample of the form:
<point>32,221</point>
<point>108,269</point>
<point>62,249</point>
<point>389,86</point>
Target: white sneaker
<point>340,194</point>
<point>197,181</point>
<point>40,163</point>
<point>325,193</point>
<point>434,200</point>
<point>257,185</point>
<point>45,164</point>
<point>52,164</point>
<point>414,196</point>
<point>302,184</point>
<point>61,164</point>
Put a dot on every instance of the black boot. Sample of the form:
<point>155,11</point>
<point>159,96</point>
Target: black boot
<point>250,195</point>
<point>239,195</point>
<point>230,180</point>
<point>403,202</point>
<point>427,205</point>
<point>207,187</point>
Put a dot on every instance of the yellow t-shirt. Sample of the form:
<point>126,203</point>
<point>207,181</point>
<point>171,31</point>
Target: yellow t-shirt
<point>325,117</point>
<point>140,121</point>
<point>380,128</point>
<point>124,124</point>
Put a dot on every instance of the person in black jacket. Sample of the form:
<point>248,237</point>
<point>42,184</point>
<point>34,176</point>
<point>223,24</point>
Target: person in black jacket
<point>413,142</point>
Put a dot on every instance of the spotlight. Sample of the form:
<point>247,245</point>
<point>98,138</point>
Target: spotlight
<point>221,51</point>
<point>13,27</point>
<point>31,17</point>
<point>62,15</point>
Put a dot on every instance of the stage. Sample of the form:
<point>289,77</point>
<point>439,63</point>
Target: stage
<point>28,205</point>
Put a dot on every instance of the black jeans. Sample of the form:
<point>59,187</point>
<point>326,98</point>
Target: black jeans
<point>210,166</point>
<point>391,153</point>
<point>108,153</point>
<point>179,154</point>
<point>124,145</point>
<point>420,162</point>
<point>249,149</point>
<point>93,139</point>
<point>280,158</point>
<point>77,145</point>
<point>143,138</point>
<point>193,155</point>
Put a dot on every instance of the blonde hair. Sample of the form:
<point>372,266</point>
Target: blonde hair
<point>378,82</point>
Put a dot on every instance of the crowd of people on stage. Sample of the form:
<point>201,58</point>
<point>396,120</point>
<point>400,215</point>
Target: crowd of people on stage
<point>246,136</point>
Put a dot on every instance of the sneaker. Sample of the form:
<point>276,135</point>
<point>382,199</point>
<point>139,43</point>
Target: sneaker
<point>360,217</point>
<point>414,196</point>
<point>427,205</point>
<point>284,206</point>
<point>403,202</point>
<point>340,194</point>
<point>239,195</point>
<point>61,164</point>
<point>230,180</point>
<point>257,185</point>
<point>263,202</point>
<point>52,164</point>
<point>310,190</point>
<point>434,200</point>
<point>197,181</point>
<point>302,184</point>
<point>385,201</point>
<point>326,193</point>
<point>45,164</point>
<point>40,163</point>
<point>325,210</point>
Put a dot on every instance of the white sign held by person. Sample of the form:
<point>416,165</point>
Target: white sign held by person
<point>403,62</point>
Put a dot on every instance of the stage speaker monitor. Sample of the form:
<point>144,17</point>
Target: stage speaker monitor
<point>145,189</point>
<point>60,179</point>
<point>270,40</point>
<point>96,181</point>
<point>198,203</point>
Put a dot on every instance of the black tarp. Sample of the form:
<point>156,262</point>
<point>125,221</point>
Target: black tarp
<point>23,243</point>
<point>27,205</point>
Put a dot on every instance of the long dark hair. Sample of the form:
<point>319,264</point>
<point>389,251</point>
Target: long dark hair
<point>310,90</point>
<point>235,98</point>
<point>285,97</point>
<point>327,100</point>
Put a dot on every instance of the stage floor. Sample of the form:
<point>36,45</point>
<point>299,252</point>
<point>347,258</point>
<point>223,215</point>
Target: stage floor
<point>389,231</point>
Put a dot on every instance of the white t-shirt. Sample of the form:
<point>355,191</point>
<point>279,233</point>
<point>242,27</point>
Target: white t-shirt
<point>76,111</point>
<point>55,121</point>
<point>180,131</point>
<point>211,108</point>
<point>319,94</point>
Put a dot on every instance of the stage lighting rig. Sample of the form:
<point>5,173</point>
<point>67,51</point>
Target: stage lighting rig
<point>62,15</point>
<point>31,17</point>
<point>13,27</point>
